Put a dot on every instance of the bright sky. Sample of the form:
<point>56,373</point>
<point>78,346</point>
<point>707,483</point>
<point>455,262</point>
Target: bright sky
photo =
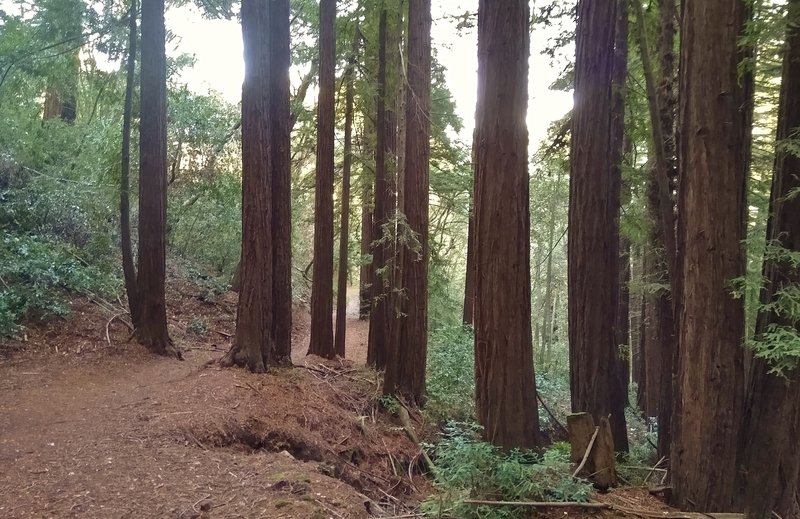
<point>217,47</point>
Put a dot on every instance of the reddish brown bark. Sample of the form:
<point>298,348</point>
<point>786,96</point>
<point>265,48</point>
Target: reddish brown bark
<point>322,290</point>
<point>380,314</point>
<point>710,379</point>
<point>405,371</point>
<point>770,461</point>
<point>280,164</point>
<point>341,292</point>
<point>593,245</point>
<point>253,342</point>
<point>152,330</point>
<point>505,385</point>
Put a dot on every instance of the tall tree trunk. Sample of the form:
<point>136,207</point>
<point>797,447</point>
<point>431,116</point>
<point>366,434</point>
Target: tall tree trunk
<point>322,290</point>
<point>383,263</point>
<point>341,293</point>
<point>152,330</point>
<point>505,386</point>
<point>253,342</point>
<point>128,267</point>
<point>405,370</point>
<point>280,121</point>
<point>769,457</point>
<point>593,253</point>
<point>710,380</point>
<point>547,316</point>
<point>635,310</point>
<point>622,324</point>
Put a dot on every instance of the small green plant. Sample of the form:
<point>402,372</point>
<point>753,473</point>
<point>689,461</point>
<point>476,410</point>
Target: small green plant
<point>451,374</point>
<point>197,326</point>
<point>469,468</point>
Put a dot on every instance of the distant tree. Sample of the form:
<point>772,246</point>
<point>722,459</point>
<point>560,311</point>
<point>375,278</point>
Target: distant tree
<point>713,119</point>
<point>505,385</point>
<point>405,370</point>
<point>64,22</point>
<point>770,460</point>
<point>341,291</point>
<point>253,342</point>
<point>593,240</point>
<point>322,289</point>
<point>152,329</point>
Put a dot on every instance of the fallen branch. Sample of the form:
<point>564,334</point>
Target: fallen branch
<point>108,324</point>
<point>405,420</point>
<point>540,504</point>
<point>539,397</point>
<point>586,454</point>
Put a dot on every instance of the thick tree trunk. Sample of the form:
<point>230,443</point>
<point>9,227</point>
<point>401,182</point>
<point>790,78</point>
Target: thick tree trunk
<point>152,330</point>
<point>365,273</point>
<point>253,342</point>
<point>405,371</point>
<point>710,380</point>
<point>769,457</point>
<point>505,387</point>
<point>322,290</point>
<point>635,309</point>
<point>593,254</point>
<point>344,234</point>
<point>128,266</point>
<point>381,314</point>
<point>280,162</point>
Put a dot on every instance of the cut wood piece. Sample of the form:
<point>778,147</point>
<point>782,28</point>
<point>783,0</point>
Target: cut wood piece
<point>604,475</point>
<point>581,428</point>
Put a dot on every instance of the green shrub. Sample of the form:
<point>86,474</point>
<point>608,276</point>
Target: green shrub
<point>35,272</point>
<point>451,374</point>
<point>468,468</point>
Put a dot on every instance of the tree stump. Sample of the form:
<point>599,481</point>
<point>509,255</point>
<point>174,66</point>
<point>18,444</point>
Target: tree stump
<point>598,463</point>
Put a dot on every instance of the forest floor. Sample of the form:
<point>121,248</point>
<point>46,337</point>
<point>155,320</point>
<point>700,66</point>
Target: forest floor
<point>91,425</point>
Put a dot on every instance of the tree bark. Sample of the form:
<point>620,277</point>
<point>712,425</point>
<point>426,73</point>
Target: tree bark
<point>593,244</point>
<point>253,342</point>
<point>505,383</point>
<point>365,276</point>
<point>341,292</point>
<point>280,121</point>
<point>322,290</point>
<point>710,380</point>
<point>622,324</point>
<point>768,450</point>
<point>469,276</point>
<point>152,330</point>
<point>381,314</point>
<point>128,266</point>
<point>405,371</point>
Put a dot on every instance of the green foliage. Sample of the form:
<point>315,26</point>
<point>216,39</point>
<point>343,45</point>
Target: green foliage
<point>451,374</point>
<point>34,274</point>
<point>468,468</point>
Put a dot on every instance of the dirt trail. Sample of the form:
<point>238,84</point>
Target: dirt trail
<point>89,429</point>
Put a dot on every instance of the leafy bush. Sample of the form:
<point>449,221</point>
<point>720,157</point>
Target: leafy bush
<point>34,274</point>
<point>451,374</point>
<point>468,468</point>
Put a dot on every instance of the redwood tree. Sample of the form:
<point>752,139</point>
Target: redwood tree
<point>712,117</point>
<point>280,121</point>
<point>593,248</point>
<point>344,233</point>
<point>152,329</point>
<point>770,460</point>
<point>128,267</point>
<point>385,132</point>
<point>505,389</point>
<point>405,371</point>
<point>322,289</point>
<point>254,337</point>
